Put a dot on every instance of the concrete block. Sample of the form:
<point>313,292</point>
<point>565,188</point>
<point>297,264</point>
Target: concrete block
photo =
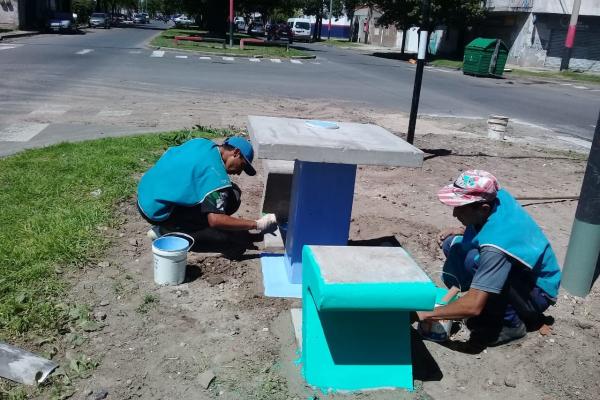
<point>352,143</point>
<point>297,324</point>
<point>358,264</point>
<point>278,187</point>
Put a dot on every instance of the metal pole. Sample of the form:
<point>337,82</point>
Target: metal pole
<point>230,23</point>
<point>329,28</point>
<point>582,264</point>
<point>414,109</point>
<point>570,40</point>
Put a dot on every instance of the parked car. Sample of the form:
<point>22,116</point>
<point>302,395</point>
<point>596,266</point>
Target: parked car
<point>240,24</point>
<point>99,20</point>
<point>146,18</point>
<point>301,28</point>
<point>280,31</point>
<point>61,22</point>
<point>256,28</point>
<point>139,19</point>
<point>182,20</point>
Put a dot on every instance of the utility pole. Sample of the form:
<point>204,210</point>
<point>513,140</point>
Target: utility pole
<point>230,23</point>
<point>582,264</point>
<point>329,28</point>
<point>423,36</point>
<point>570,40</point>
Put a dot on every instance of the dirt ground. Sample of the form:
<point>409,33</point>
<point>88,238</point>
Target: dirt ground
<point>159,342</point>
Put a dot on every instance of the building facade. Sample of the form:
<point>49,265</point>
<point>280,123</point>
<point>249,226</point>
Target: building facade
<point>29,14</point>
<point>535,31</point>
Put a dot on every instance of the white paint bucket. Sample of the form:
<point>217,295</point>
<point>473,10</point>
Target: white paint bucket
<point>497,127</point>
<point>170,258</point>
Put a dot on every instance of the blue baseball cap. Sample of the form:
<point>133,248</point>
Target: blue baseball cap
<point>246,151</point>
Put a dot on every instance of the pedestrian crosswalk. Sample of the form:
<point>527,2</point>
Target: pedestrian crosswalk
<point>162,54</point>
<point>9,46</point>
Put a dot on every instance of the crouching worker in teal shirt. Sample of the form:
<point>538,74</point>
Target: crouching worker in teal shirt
<point>500,258</point>
<point>188,190</point>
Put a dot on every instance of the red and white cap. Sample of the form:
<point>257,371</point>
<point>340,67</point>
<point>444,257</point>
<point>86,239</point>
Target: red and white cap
<point>471,186</point>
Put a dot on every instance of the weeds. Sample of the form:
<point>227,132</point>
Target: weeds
<point>148,303</point>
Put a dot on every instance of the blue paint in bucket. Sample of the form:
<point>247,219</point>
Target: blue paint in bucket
<point>172,243</point>
<point>170,258</point>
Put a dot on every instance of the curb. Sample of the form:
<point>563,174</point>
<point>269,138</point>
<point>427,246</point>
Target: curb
<point>209,53</point>
<point>17,35</point>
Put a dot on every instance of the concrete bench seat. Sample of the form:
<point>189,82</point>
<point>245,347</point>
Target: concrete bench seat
<point>355,316</point>
<point>177,39</point>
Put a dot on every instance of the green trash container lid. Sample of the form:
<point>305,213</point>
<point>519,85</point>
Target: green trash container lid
<point>483,43</point>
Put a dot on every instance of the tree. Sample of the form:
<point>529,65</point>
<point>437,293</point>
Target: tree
<point>450,13</point>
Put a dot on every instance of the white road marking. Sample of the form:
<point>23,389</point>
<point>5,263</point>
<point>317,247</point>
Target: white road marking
<point>254,59</point>
<point>157,53</point>
<point>444,70</point>
<point>21,132</point>
<point>595,90</point>
<point>275,60</point>
<point>205,58</point>
<point>580,87</point>
<point>84,51</point>
<point>228,59</point>
<point>181,56</point>
<point>296,61</point>
<point>53,109</point>
<point>576,141</point>
<point>7,46</point>
<point>135,52</point>
<point>566,84</point>
<point>114,113</point>
<point>316,63</point>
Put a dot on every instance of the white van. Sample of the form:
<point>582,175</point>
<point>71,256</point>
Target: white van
<point>301,28</point>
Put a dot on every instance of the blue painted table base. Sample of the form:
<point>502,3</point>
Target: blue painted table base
<point>320,210</point>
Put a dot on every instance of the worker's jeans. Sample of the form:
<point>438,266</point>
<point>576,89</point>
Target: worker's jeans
<point>519,300</point>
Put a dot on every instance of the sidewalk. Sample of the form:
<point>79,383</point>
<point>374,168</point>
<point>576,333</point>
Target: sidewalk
<point>17,34</point>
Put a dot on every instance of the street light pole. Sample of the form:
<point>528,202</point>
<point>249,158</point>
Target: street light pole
<point>570,40</point>
<point>582,263</point>
<point>230,23</point>
<point>423,36</point>
<point>329,28</point>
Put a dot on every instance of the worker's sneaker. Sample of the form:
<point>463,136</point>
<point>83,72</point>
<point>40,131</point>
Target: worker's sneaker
<point>504,335</point>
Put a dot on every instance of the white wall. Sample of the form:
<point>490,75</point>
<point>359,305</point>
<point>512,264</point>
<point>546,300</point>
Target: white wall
<point>588,7</point>
<point>9,14</point>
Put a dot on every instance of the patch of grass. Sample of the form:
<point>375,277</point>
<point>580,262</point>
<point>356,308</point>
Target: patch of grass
<point>149,301</point>
<point>165,40</point>
<point>50,217</point>
<point>564,75</point>
<point>446,63</point>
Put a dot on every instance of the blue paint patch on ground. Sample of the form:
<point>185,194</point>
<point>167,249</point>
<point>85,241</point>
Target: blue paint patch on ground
<point>275,279</point>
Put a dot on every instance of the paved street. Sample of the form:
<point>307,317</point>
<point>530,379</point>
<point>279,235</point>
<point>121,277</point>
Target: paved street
<point>71,87</point>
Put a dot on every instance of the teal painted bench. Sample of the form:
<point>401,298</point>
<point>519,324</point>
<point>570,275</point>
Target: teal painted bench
<point>356,303</point>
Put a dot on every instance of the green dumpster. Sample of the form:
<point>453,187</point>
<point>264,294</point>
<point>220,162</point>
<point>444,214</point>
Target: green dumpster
<point>485,57</point>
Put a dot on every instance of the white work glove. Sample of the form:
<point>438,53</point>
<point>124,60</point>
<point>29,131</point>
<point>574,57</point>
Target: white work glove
<point>267,223</point>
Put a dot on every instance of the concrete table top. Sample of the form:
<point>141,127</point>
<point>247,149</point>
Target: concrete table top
<point>351,143</point>
<point>358,264</point>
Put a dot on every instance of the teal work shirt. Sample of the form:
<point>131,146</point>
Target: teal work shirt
<point>183,176</point>
<point>512,231</point>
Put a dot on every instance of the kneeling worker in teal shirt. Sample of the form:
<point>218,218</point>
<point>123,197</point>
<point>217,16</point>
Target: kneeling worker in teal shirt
<point>500,258</point>
<point>188,190</point>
